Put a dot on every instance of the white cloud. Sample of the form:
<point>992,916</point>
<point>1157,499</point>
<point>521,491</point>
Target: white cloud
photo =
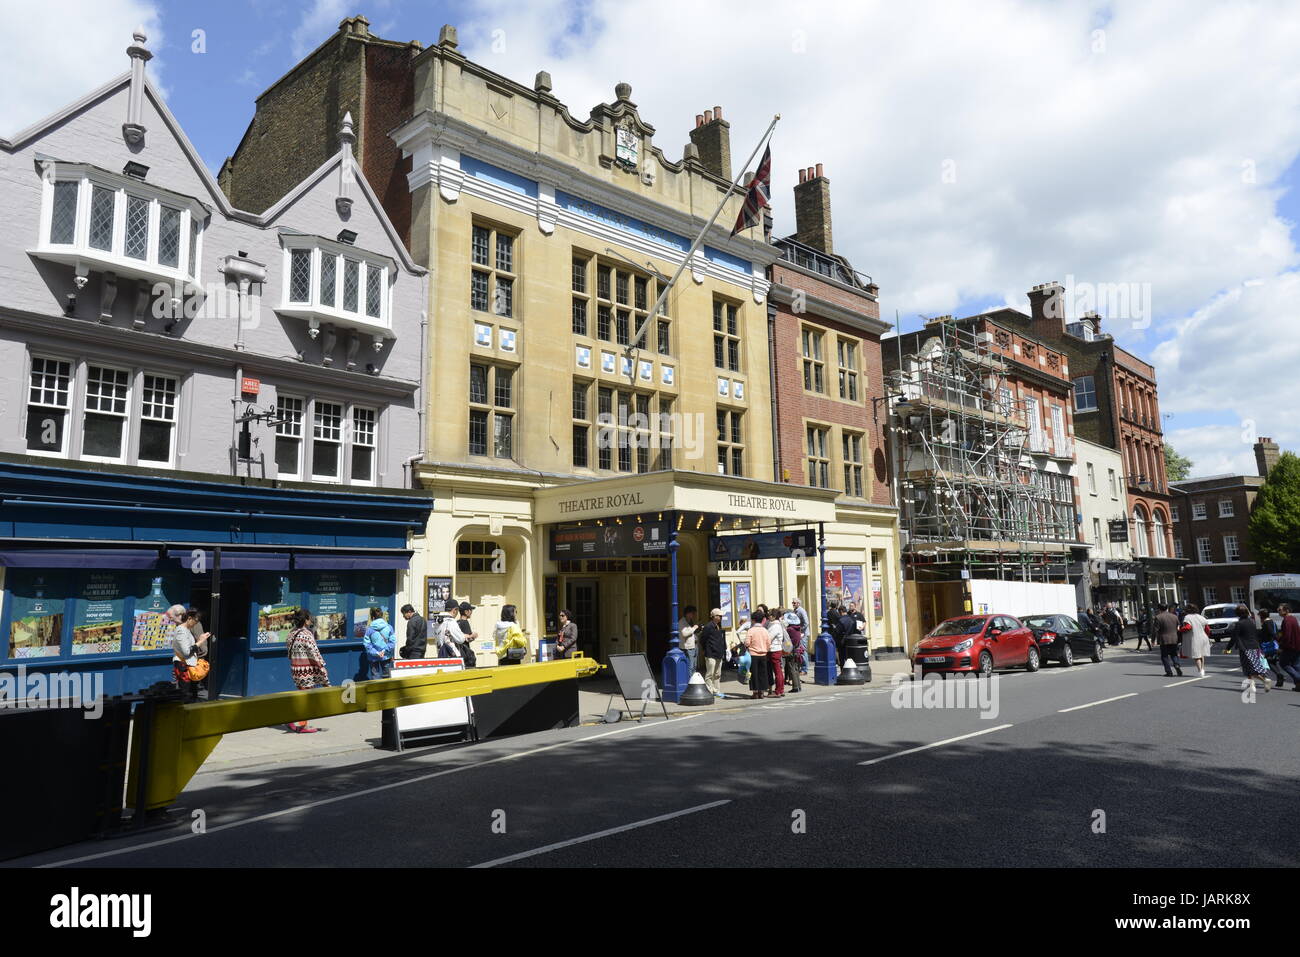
<point>1215,449</point>
<point>319,20</point>
<point>1154,161</point>
<point>61,55</point>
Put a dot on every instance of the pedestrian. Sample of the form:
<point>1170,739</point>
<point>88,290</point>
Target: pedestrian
<point>1110,618</point>
<point>468,633</point>
<point>201,647</point>
<point>511,645</point>
<point>686,629</point>
<point>713,645</point>
<point>758,641</point>
<point>1245,636</point>
<point>380,642</point>
<point>1289,645</point>
<point>1166,632</point>
<point>417,633</point>
<point>1146,626</point>
<point>1269,647</point>
<point>448,633</point>
<point>805,629</point>
<point>185,654</point>
<point>776,650</point>
<point>305,662</point>
<point>794,655</point>
<point>566,642</point>
<point>1196,637</point>
<point>848,628</point>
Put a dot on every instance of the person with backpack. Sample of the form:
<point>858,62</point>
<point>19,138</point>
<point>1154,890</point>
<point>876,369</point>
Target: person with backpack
<point>380,642</point>
<point>448,633</point>
<point>511,645</point>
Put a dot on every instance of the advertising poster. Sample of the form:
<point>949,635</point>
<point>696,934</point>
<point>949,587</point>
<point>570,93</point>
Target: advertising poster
<point>742,601</point>
<point>833,583</point>
<point>852,584</point>
<point>99,614</point>
<point>327,600</point>
<point>437,589</point>
<point>375,590</point>
<point>36,617</point>
<point>877,598</point>
<point>149,626</point>
<point>274,618</point>
<point>724,603</point>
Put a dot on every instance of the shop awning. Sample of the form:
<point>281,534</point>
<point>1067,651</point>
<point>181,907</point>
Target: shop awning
<point>79,557</point>
<point>234,559</point>
<point>391,560</point>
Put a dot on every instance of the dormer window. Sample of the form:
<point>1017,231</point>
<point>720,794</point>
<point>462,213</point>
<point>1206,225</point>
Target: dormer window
<point>330,282</point>
<point>107,222</point>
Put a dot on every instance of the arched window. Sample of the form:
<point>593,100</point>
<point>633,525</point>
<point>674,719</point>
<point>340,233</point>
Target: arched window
<point>1158,533</point>
<point>1141,545</point>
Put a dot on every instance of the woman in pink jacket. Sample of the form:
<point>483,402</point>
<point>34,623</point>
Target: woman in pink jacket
<point>759,642</point>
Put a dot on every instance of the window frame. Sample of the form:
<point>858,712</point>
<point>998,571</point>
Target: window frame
<point>124,443</point>
<point>492,411</point>
<point>314,307</point>
<point>68,409</point>
<point>173,422</point>
<point>813,359</point>
<point>301,437</point>
<point>850,373</point>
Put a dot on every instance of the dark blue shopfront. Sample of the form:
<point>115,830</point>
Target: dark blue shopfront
<point>90,560</point>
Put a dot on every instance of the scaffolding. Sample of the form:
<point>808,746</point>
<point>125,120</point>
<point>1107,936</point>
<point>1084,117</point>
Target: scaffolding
<point>968,490</point>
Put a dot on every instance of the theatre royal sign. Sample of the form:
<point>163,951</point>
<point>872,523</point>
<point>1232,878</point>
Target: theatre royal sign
<point>569,505</point>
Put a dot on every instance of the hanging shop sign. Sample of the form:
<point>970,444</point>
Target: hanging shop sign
<point>1118,529</point>
<point>611,540</point>
<point>737,548</point>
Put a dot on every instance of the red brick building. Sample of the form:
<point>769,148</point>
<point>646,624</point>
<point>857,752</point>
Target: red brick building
<point>829,412</point>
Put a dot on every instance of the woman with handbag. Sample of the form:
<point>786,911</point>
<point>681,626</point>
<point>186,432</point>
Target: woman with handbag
<point>1269,647</point>
<point>511,645</point>
<point>1245,637</point>
<point>305,663</point>
<point>188,669</point>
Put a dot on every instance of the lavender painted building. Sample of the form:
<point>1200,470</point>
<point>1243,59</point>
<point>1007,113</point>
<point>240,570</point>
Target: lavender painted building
<point>178,376</point>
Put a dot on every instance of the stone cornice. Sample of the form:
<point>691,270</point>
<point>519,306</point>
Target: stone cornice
<point>826,309</point>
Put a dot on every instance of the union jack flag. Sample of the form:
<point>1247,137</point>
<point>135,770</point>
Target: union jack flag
<point>760,191</point>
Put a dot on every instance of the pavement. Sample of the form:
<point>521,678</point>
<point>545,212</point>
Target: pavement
<point>1107,764</point>
<point>351,733</point>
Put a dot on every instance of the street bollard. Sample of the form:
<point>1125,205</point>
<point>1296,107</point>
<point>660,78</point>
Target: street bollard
<point>697,692</point>
<point>676,672</point>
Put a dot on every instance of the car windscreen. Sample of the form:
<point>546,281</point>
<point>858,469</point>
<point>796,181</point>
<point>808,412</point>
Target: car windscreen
<point>959,626</point>
<point>1220,611</point>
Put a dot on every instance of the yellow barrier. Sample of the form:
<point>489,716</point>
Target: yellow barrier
<point>181,736</point>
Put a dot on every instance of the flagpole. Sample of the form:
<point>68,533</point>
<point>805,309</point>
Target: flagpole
<point>690,253</point>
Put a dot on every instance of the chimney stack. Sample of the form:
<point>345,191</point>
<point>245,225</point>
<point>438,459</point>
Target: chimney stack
<point>1266,455</point>
<point>812,209</point>
<point>1047,304</point>
<point>712,137</point>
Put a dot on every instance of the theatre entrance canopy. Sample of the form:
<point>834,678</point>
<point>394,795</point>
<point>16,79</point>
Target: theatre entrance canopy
<point>698,502</point>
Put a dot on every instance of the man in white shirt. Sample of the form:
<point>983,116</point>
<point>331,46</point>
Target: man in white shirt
<point>686,629</point>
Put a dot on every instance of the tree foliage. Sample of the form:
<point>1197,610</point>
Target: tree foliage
<point>1177,467</point>
<point>1275,519</point>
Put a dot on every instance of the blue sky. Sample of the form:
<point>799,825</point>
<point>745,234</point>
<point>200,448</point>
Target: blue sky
<point>1154,143</point>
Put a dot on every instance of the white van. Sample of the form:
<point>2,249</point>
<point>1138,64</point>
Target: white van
<point>1222,618</point>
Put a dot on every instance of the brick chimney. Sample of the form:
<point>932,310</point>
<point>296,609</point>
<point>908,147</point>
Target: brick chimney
<point>812,209</point>
<point>1047,305</point>
<point>712,137</point>
<point>1266,455</point>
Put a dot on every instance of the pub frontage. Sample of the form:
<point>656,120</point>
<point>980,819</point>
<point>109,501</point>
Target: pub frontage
<point>90,560</point>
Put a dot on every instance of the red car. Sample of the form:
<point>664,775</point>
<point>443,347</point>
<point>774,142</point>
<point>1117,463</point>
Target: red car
<point>982,643</point>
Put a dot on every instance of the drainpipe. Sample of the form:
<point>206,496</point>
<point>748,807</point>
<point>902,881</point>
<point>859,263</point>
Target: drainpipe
<point>234,429</point>
<point>777,472</point>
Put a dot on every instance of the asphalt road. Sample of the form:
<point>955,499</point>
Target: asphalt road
<point>1108,764</point>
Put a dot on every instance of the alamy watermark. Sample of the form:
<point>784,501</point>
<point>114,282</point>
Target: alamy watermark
<point>52,690</point>
<point>931,692</point>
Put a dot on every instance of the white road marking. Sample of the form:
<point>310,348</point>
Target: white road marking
<point>1093,704</point>
<point>1187,681</point>
<point>936,744</point>
<point>356,794</point>
<point>599,834</point>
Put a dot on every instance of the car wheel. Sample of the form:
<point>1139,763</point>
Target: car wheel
<point>986,663</point>
<point>1097,653</point>
<point>1067,655</point>
<point>1033,662</point>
